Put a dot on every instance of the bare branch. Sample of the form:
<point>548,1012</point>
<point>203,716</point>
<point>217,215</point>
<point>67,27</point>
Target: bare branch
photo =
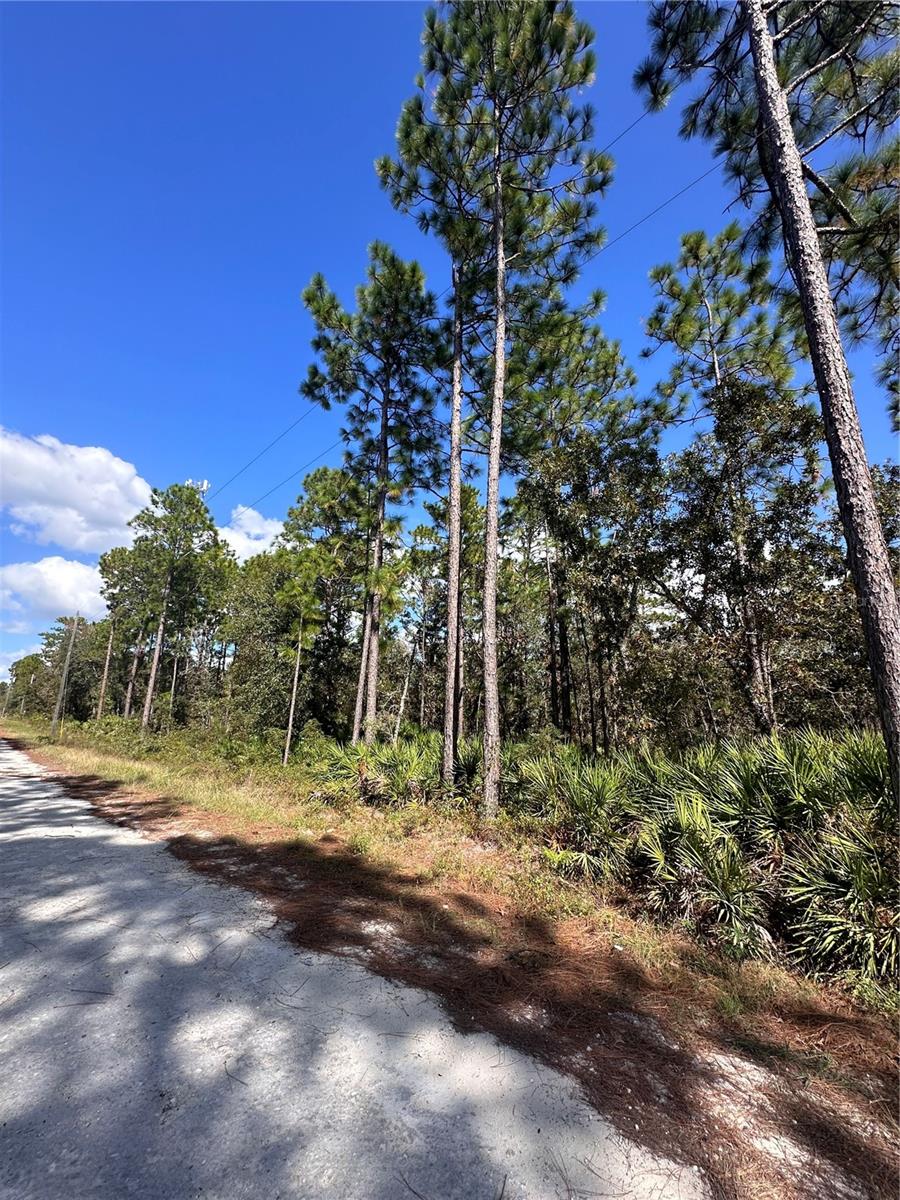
<point>827,190</point>
<point>801,20</point>
<point>846,121</point>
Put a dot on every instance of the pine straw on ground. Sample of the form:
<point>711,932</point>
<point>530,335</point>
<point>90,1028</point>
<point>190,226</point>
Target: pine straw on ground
<point>793,1098</point>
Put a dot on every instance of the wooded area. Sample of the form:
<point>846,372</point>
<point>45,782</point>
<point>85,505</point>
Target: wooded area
<point>685,662</point>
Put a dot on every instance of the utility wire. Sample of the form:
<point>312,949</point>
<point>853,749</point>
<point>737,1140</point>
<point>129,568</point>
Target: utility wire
<point>625,232</point>
<point>265,450</point>
<point>287,478</point>
<point>627,129</point>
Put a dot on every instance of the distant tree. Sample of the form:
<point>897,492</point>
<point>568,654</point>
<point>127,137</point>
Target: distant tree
<point>175,533</point>
<point>574,389</point>
<point>259,626</point>
<point>125,594</point>
<point>28,684</point>
<point>732,372</point>
<point>376,361</point>
<point>299,597</point>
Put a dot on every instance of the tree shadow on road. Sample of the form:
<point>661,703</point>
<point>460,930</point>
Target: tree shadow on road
<point>756,1120</point>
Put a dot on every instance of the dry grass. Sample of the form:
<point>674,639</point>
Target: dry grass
<point>549,965</point>
<point>501,864</point>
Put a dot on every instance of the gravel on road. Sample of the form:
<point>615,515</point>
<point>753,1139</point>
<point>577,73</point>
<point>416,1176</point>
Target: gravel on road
<point>161,1039</point>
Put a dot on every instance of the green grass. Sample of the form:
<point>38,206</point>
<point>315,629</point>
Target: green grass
<point>778,849</point>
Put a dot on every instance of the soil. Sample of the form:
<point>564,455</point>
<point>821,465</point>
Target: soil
<point>795,1102</point>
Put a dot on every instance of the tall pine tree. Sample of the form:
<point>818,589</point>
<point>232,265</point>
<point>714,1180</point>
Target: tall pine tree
<point>768,79</point>
<point>512,73</point>
<point>376,360</point>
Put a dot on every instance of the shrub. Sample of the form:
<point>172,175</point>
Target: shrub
<point>773,845</point>
<point>846,900</point>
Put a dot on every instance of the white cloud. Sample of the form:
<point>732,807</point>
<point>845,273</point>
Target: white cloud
<point>77,497</point>
<point>8,657</point>
<point>33,592</point>
<point>249,532</point>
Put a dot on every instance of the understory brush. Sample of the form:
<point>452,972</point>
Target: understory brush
<point>781,848</point>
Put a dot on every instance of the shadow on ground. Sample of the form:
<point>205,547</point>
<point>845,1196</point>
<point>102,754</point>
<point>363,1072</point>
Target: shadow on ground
<point>758,1123</point>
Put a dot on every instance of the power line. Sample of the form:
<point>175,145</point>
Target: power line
<point>265,450</point>
<point>627,129</point>
<point>287,479</point>
<point>625,232</point>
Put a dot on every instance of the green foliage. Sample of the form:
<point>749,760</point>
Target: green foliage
<point>839,64</point>
<point>404,772</point>
<point>585,802</point>
<point>770,848</point>
<point>773,847</point>
<point>842,887</point>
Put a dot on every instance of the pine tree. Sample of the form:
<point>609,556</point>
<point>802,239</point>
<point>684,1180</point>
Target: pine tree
<point>511,72</point>
<point>732,372</point>
<point>334,514</point>
<point>375,360</point>
<point>761,71</point>
<point>174,533</point>
<point>114,571</point>
<point>569,379</point>
<point>299,596</point>
<point>436,177</point>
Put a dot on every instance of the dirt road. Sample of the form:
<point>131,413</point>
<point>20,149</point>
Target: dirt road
<point>160,1039</point>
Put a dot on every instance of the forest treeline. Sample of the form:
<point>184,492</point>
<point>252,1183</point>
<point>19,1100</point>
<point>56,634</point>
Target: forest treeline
<point>567,576</point>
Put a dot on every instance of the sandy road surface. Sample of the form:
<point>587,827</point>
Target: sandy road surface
<point>160,1039</point>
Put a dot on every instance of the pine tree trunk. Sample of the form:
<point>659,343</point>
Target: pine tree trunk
<point>61,694</point>
<point>592,707</point>
<point>454,546</point>
<point>713,726</point>
<point>459,714</point>
<point>154,662</point>
<point>424,661</point>
<point>136,658</point>
<point>553,666</point>
<point>290,722</point>
<point>364,648</point>
<point>372,670</point>
<point>172,690</point>
<point>491,799</point>
<point>363,671</point>
<point>105,676</point>
<point>866,550</point>
<point>377,563</point>
<point>402,707</point>
<point>567,684</point>
<point>602,687</point>
<point>759,684</point>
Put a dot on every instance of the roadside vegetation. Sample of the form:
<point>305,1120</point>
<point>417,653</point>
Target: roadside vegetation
<point>658,670</point>
<point>778,851</point>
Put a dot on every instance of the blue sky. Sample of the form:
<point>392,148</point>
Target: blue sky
<point>172,177</point>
